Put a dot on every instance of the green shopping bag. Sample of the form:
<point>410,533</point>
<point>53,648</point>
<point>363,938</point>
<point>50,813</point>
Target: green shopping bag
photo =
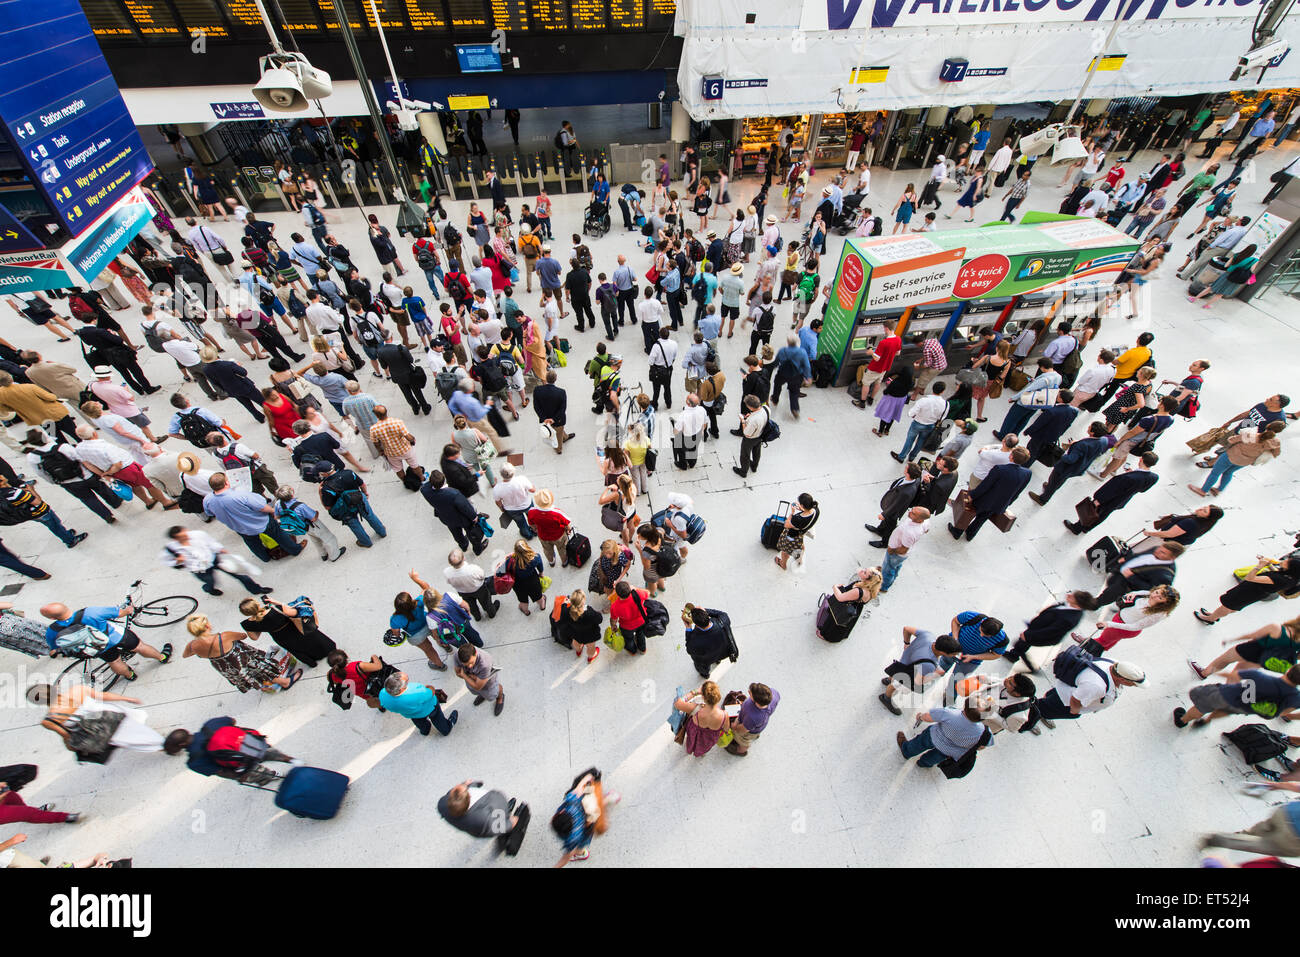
<point>614,638</point>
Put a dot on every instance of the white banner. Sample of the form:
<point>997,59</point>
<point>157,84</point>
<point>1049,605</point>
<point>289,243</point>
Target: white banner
<point>880,14</point>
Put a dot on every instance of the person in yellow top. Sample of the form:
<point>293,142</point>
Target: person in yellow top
<point>1127,365</point>
<point>35,406</point>
<point>636,445</point>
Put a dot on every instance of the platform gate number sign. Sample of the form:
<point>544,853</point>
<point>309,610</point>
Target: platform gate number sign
<point>711,88</point>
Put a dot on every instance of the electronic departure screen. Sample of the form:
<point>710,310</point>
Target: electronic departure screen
<point>202,15</point>
<point>510,15</point>
<point>122,22</point>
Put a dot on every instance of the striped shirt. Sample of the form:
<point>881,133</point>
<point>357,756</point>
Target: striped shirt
<point>391,437</point>
<point>973,641</point>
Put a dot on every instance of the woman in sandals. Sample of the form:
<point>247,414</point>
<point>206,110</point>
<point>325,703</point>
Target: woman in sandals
<point>705,722</point>
<point>1267,578</point>
<point>244,666</point>
<point>580,625</point>
<point>1275,647</point>
<point>803,516</point>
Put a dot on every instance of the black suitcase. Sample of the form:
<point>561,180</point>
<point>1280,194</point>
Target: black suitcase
<point>824,370</point>
<point>512,839</point>
<point>412,479</point>
<point>835,619</point>
<point>773,526</point>
<point>1104,555</point>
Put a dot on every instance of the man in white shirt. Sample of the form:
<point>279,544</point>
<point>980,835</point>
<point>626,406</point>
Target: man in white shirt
<point>514,496</point>
<point>550,316</point>
<point>914,525</point>
<point>864,180</point>
<point>471,583</point>
<point>1094,202</point>
<point>938,174</point>
<point>663,354</point>
<point>650,312</point>
<point>1094,688</point>
<point>1001,160</point>
<point>925,414</point>
<point>188,359</point>
<point>687,432</point>
<point>485,302</point>
<point>199,553</point>
<point>1095,378</point>
<point>991,456</point>
<point>203,239</point>
<point>324,316</point>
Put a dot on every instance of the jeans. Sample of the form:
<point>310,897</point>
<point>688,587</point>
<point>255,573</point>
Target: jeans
<point>924,746</point>
<point>917,433</point>
<point>481,601</point>
<point>1137,225</point>
<point>369,515</point>
<point>1222,470</point>
<point>95,495</point>
<point>650,335</point>
<point>434,719</point>
<point>209,579</point>
<point>889,569</point>
<point>51,521</point>
<point>520,518</point>
<point>278,534</point>
<point>12,562</point>
<point>675,310</point>
<point>433,277</point>
<point>1051,706</point>
<point>1009,209</point>
<point>610,318</point>
<point>962,669</point>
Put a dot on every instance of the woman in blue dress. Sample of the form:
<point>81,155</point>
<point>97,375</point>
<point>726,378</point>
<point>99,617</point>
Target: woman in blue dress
<point>904,209</point>
<point>973,194</point>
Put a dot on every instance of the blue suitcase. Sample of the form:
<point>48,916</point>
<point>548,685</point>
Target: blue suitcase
<point>312,792</point>
<point>773,525</point>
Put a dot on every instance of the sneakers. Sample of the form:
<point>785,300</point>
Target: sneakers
<point>888,702</point>
<point>342,549</point>
<point>166,653</point>
<point>78,538</point>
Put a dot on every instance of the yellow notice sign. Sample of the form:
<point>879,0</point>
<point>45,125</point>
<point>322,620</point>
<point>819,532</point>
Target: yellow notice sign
<point>1110,63</point>
<point>468,103</point>
<point>868,74</point>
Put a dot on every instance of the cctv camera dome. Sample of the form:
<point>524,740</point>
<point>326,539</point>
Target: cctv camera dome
<point>289,82</point>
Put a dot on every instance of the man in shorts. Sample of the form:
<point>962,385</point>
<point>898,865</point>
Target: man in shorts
<point>882,357</point>
<point>1253,691</point>
<point>121,639</point>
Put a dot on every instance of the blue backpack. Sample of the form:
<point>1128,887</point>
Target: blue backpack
<point>291,520</point>
<point>1072,662</point>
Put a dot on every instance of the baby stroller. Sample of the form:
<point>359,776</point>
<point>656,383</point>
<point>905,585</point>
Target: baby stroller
<point>847,220</point>
<point>595,221</point>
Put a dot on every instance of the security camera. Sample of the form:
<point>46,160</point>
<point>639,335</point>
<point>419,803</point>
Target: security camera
<point>661,96</point>
<point>1039,142</point>
<point>289,82</point>
<point>1262,54</point>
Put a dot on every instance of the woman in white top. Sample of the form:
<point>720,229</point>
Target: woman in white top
<point>1136,611</point>
<point>750,234</point>
<point>118,430</point>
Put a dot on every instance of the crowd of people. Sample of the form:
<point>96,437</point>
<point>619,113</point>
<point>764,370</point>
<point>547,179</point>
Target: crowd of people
<point>369,341</point>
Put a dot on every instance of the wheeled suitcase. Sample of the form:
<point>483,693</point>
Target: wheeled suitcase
<point>578,550</point>
<point>773,525</point>
<point>1104,554</point>
<point>312,792</point>
<point>512,839</point>
<point>835,619</point>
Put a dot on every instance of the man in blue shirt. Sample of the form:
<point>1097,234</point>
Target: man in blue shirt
<point>709,325</point>
<point>418,702</point>
<point>979,143</point>
<point>670,283</point>
<point>102,618</point>
<point>463,402</point>
<point>247,515</point>
<point>951,735</point>
<point>625,281</point>
<point>792,370</point>
<point>1253,691</point>
<point>981,638</point>
<point>1018,415</point>
<point>549,271</point>
<point>808,339</point>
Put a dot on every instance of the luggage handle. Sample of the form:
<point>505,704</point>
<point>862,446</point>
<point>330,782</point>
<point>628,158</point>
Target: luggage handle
<point>783,509</point>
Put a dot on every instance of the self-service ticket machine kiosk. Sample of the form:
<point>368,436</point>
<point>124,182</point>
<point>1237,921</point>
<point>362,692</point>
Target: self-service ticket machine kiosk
<point>869,329</point>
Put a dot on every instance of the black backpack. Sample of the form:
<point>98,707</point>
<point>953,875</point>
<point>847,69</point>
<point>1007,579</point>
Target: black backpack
<point>1072,662</point>
<point>425,258</point>
<point>766,321</point>
<point>310,467</point>
<point>195,428</point>
<point>451,235</point>
<point>445,382</point>
<point>559,143</point>
<point>58,466</point>
<point>1258,742</point>
<point>667,562</point>
<point>494,380</point>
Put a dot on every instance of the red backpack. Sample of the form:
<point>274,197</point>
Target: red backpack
<point>237,748</point>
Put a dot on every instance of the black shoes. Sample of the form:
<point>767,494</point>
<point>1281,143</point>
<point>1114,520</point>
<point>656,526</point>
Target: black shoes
<point>953,530</point>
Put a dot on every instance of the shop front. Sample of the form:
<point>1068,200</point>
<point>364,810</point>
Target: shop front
<point>948,285</point>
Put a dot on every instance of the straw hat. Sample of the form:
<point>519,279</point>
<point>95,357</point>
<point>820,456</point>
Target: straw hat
<point>544,498</point>
<point>187,462</point>
<point>738,268</point>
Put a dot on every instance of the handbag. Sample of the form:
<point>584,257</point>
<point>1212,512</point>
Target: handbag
<point>90,736</point>
<point>677,718</point>
<point>545,581</point>
<point>223,256</point>
<point>486,528</point>
<point>995,388</point>
<point>652,275</point>
<point>120,489</point>
<point>503,581</point>
<point>614,637</point>
<point>1208,440</point>
<point>611,518</point>
<point>1088,512</point>
<point>651,460</point>
<point>1017,379</point>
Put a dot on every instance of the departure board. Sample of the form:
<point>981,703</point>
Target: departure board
<point>390,14</point>
<point>625,14</point>
<point>549,15</point>
<point>299,15</point>
<point>467,15</point>
<point>510,15</point>
<point>152,17</point>
<point>327,13</point>
<point>202,15</point>
<point>660,14</point>
<point>426,16</point>
<point>588,14</point>
<point>107,19</point>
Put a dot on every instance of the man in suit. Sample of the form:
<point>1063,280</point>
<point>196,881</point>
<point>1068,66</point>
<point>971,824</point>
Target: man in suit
<point>1119,491</point>
<point>407,376</point>
<point>1078,456</point>
<point>996,493</point>
<point>1142,573</point>
<point>551,403</point>
<point>1050,424</point>
<point>898,498</point>
<point>478,812</point>
<point>497,189</point>
<point>707,640</point>
<point>937,485</point>
<point>454,511</point>
<point>457,472</point>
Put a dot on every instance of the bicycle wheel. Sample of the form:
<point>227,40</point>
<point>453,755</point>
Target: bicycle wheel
<point>163,611</point>
<point>90,672</point>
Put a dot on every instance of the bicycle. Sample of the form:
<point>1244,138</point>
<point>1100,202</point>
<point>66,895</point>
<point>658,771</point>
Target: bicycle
<point>97,674</point>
